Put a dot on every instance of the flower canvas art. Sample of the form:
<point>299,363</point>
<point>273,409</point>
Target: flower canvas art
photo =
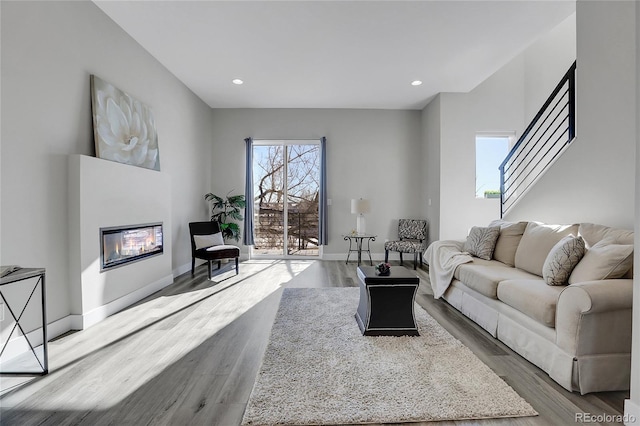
<point>123,127</point>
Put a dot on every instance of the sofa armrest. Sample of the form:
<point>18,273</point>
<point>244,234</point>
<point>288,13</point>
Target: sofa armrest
<point>594,317</point>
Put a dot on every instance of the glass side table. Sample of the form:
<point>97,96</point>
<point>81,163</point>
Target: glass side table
<point>356,244</point>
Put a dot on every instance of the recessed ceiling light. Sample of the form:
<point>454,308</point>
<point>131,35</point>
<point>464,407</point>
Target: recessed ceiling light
<point>416,83</point>
<point>237,81</point>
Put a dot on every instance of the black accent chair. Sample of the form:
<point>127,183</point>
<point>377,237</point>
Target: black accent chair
<point>210,253</point>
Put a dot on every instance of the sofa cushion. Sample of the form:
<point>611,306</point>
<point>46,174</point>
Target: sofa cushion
<point>536,243</point>
<point>562,258</point>
<point>593,233</point>
<point>605,260</point>
<point>534,298</point>
<point>482,241</point>
<point>484,276</point>
<point>508,241</point>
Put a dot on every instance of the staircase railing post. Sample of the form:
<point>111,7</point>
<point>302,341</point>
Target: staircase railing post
<point>572,102</point>
<point>501,190</point>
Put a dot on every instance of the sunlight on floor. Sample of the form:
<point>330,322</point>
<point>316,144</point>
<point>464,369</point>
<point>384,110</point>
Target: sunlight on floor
<point>145,334</point>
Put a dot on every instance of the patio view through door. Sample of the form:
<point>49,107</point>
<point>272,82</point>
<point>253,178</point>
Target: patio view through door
<point>286,186</point>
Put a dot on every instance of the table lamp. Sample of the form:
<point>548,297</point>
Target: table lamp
<point>360,207</point>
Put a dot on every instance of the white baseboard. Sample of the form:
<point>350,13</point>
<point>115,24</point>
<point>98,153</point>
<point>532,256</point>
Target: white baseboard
<point>631,413</point>
<point>181,270</point>
<point>18,345</point>
<point>375,257</point>
<point>84,321</point>
<point>59,327</point>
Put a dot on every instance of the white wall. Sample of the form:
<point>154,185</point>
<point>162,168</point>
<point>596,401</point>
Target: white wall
<point>94,205</point>
<point>49,49</point>
<point>505,102</point>
<point>431,165</point>
<point>632,405</point>
<point>373,154</point>
<point>545,62</point>
<point>594,180</point>
<point>496,105</point>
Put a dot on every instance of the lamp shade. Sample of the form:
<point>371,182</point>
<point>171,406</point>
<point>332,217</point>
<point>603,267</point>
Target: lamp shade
<point>360,206</point>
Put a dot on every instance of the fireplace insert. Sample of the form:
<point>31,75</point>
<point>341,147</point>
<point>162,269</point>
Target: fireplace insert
<point>121,245</point>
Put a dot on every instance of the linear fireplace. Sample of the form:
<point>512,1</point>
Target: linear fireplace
<point>121,245</point>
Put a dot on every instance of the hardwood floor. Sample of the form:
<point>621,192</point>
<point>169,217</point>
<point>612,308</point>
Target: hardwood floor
<point>189,354</point>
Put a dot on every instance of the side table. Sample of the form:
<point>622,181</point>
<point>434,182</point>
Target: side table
<point>358,240</point>
<point>16,313</point>
<point>386,306</point>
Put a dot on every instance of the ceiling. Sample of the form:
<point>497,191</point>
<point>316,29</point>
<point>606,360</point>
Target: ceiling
<point>333,54</point>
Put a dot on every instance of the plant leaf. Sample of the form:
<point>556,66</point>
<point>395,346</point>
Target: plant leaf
<point>237,201</point>
<point>216,202</point>
<point>235,214</point>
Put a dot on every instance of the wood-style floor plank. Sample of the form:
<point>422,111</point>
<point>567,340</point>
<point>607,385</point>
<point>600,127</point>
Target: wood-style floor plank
<point>189,354</point>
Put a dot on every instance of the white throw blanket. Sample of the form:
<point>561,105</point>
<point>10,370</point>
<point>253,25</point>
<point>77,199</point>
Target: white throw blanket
<point>443,258</point>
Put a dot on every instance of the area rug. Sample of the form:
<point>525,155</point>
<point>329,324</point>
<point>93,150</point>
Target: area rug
<point>319,369</point>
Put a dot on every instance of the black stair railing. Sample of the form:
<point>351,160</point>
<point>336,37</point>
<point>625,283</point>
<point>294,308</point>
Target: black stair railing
<point>548,135</point>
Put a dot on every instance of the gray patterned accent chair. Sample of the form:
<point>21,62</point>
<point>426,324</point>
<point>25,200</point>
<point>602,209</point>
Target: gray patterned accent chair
<point>413,239</point>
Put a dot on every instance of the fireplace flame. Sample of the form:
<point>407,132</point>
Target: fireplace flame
<point>129,244</point>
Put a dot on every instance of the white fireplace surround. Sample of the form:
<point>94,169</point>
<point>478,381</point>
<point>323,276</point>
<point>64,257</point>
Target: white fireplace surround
<point>102,194</point>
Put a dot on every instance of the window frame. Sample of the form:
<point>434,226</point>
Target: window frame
<point>285,143</point>
<point>512,139</point>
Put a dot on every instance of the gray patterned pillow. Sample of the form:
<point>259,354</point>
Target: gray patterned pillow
<point>482,241</point>
<point>561,260</point>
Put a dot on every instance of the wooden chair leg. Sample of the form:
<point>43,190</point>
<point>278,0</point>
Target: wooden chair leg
<point>401,259</point>
<point>209,268</point>
<point>415,260</point>
<point>237,272</point>
<point>193,265</point>
<point>219,264</point>
<point>386,256</point>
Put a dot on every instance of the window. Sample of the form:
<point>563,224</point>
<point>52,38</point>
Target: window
<point>286,189</point>
<point>491,150</point>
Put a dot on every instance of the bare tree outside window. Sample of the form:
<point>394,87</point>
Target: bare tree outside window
<point>286,187</point>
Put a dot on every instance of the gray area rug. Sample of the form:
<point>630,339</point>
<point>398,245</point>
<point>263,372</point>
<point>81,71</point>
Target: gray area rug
<point>319,369</point>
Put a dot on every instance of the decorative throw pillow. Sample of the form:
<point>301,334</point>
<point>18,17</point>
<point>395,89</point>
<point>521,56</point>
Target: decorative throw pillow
<point>605,260</point>
<point>507,244</point>
<point>561,260</point>
<point>536,243</point>
<point>210,240</point>
<point>593,233</point>
<point>482,241</point>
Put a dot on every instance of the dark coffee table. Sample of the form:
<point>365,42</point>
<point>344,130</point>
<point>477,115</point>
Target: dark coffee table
<point>386,302</point>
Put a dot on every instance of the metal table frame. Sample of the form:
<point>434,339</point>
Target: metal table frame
<point>21,275</point>
<point>358,240</point>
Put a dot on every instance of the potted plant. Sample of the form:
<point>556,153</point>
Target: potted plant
<point>223,210</point>
<point>492,194</point>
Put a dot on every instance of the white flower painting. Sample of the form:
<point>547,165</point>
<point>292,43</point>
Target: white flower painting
<point>123,127</point>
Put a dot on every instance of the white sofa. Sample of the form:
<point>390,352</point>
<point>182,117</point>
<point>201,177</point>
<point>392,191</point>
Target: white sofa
<point>579,333</point>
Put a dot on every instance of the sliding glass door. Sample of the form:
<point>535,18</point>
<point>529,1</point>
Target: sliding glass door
<point>286,187</point>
